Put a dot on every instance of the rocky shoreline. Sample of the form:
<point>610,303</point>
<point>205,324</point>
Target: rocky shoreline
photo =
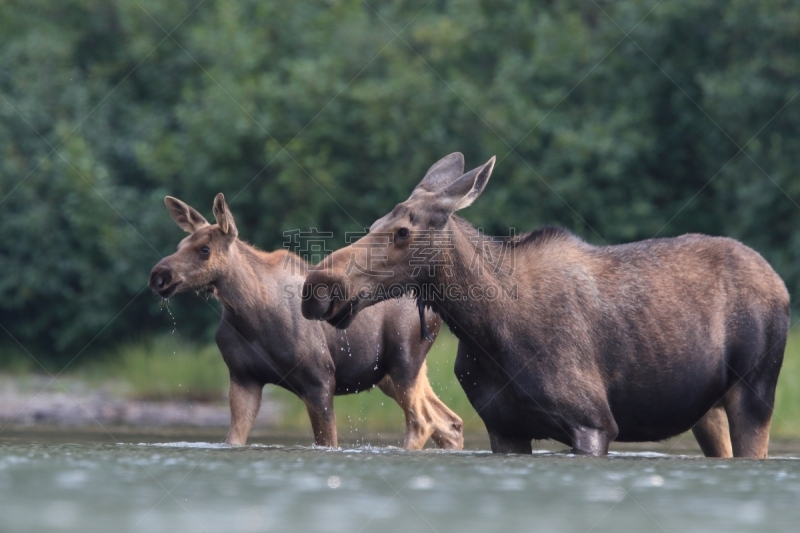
<point>41,401</point>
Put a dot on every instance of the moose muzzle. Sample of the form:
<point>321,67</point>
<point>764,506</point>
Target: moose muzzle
<point>162,281</point>
<point>318,302</point>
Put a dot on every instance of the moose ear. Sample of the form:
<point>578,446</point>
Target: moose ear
<point>443,172</point>
<point>187,218</point>
<point>224,216</point>
<point>466,189</point>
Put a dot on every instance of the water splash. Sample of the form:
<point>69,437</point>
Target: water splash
<point>165,303</point>
<point>377,344</point>
<point>322,341</point>
<point>174,322</point>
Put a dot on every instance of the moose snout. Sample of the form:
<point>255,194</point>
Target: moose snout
<point>319,300</point>
<point>162,280</point>
<point>316,301</point>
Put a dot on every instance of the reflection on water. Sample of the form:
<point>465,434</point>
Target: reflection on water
<point>189,486</point>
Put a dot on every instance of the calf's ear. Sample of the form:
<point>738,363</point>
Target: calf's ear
<point>443,173</point>
<point>186,217</point>
<point>224,216</point>
<point>465,189</point>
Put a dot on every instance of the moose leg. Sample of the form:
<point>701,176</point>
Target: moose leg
<point>750,401</point>
<point>590,441</point>
<point>712,433</point>
<point>319,405</point>
<point>502,445</point>
<point>426,415</point>
<point>449,428</point>
<point>245,400</point>
<point>418,430</point>
<point>749,416</point>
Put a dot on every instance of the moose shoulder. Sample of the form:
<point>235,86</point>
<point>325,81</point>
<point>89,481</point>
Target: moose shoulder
<point>578,343</point>
<point>264,338</point>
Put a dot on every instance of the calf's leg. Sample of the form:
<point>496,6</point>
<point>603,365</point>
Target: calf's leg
<point>245,400</point>
<point>319,405</point>
<point>426,415</point>
<point>448,430</point>
<point>713,434</point>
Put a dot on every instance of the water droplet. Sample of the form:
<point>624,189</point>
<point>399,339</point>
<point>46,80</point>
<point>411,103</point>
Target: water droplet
<point>349,353</point>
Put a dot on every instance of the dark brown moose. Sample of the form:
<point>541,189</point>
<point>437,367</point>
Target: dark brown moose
<point>582,344</point>
<point>264,338</point>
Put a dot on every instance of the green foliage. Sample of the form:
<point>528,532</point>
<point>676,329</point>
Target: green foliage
<point>319,114</point>
<point>15,361</point>
<point>163,369</point>
<point>786,416</point>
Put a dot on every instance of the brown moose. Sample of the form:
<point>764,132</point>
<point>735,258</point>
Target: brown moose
<point>582,344</point>
<point>264,338</point>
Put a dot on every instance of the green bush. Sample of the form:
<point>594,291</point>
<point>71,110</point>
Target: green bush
<point>14,360</point>
<point>786,416</point>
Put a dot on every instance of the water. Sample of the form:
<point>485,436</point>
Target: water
<point>344,335</point>
<point>181,486</point>
<point>165,304</point>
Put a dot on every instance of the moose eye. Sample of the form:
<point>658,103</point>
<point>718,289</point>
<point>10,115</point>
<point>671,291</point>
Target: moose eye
<point>402,233</point>
<point>205,250</point>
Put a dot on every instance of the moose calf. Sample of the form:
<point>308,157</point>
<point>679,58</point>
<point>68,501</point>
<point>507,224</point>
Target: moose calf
<point>264,338</point>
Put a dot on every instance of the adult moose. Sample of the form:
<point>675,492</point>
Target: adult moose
<point>581,344</point>
<point>264,339</point>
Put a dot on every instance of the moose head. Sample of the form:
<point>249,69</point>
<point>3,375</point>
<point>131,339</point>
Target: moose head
<point>202,257</point>
<point>400,253</point>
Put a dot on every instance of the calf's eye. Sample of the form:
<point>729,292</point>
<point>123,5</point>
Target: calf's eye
<point>205,250</point>
<point>402,233</point>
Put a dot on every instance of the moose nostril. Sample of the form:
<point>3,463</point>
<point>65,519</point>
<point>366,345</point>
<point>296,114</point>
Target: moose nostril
<point>159,279</point>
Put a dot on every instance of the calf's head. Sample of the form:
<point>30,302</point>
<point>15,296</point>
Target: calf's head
<point>401,250</point>
<point>202,257</point>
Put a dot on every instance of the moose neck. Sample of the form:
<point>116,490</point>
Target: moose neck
<point>474,284</point>
<point>241,289</point>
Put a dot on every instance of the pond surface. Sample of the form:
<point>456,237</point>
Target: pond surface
<point>190,486</point>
